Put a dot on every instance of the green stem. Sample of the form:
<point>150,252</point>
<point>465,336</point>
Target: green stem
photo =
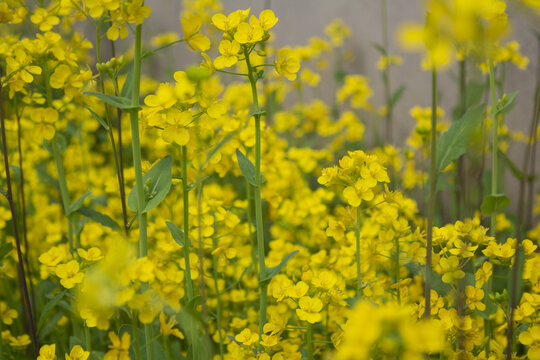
<point>309,338</point>
<point>136,341</point>
<point>396,267</point>
<point>88,338</point>
<point>252,238</point>
<point>495,146</point>
<point>386,73</point>
<point>187,245</point>
<point>218,297</point>
<point>432,194</point>
<point>358,264</point>
<point>137,163</point>
<point>258,202</point>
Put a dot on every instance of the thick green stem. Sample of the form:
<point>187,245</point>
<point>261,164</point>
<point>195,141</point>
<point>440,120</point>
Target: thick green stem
<point>137,164</point>
<point>258,202</point>
<point>432,194</point>
<point>358,263</point>
<point>252,238</point>
<point>495,146</point>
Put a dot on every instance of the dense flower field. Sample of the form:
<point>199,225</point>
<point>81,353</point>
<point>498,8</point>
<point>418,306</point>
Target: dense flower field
<point>233,213</point>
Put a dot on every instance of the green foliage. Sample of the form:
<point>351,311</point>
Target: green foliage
<point>157,185</point>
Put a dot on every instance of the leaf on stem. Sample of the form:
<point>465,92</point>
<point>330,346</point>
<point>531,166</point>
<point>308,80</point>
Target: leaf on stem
<point>103,219</point>
<point>494,204</point>
<point>273,271</point>
<point>50,306</point>
<point>77,204</point>
<point>116,101</point>
<point>246,167</point>
<point>177,234</point>
<point>453,143</point>
<point>157,183</point>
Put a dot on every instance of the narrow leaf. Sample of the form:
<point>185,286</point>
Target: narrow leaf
<point>157,183</point>
<point>49,306</point>
<point>116,101</point>
<point>100,120</point>
<point>177,234</point>
<point>246,167</point>
<point>77,204</point>
<point>103,219</point>
<point>273,271</point>
<point>494,204</point>
<point>3,192</point>
<point>5,248</point>
<point>453,143</point>
<point>396,96</point>
<point>505,104</point>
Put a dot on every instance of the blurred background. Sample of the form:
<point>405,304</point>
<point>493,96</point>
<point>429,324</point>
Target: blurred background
<point>299,20</point>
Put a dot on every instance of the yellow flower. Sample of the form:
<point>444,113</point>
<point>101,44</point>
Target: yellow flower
<point>20,341</point>
<point>78,353</point>
<point>93,254</point>
<point>246,337</point>
<point>119,349</point>
<point>44,20</point>
<point>247,34</point>
<point>53,256</point>
<point>360,191</point>
<point>286,65</point>
<point>175,129</point>
<point>47,352</point>
<point>450,269</point>
<point>309,309</point>
<point>531,339</point>
<point>267,19</point>
<point>191,26</point>
<point>228,50</point>
<point>167,328</point>
<point>69,274</point>
<point>226,23</point>
<point>6,314</point>
<point>475,297</point>
<point>298,290</point>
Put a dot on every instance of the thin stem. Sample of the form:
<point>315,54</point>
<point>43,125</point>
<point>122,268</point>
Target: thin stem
<point>520,219</point>
<point>495,146</point>
<point>231,72</point>
<point>9,195</point>
<point>252,238</point>
<point>187,244</point>
<point>200,253</point>
<point>258,202</point>
<point>23,212</point>
<point>432,194</point>
<point>386,73</point>
<point>460,181</point>
<point>218,296</point>
<point>309,338</point>
<point>358,264</point>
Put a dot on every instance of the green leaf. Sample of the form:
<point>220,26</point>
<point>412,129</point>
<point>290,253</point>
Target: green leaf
<point>116,101</point>
<point>396,96</point>
<point>16,172</point>
<point>100,120</point>
<point>504,104</point>
<point>128,83</point>
<point>519,283</point>
<point>77,204</point>
<point>513,167</point>
<point>49,307</point>
<point>3,192</point>
<point>5,248</point>
<point>475,92</point>
<point>216,148</point>
<point>494,204</point>
<point>379,48</point>
<point>261,112</point>
<point>453,143</point>
<point>157,183</point>
<point>177,234</point>
<point>273,271</point>
<point>103,219</point>
<point>246,167</point>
